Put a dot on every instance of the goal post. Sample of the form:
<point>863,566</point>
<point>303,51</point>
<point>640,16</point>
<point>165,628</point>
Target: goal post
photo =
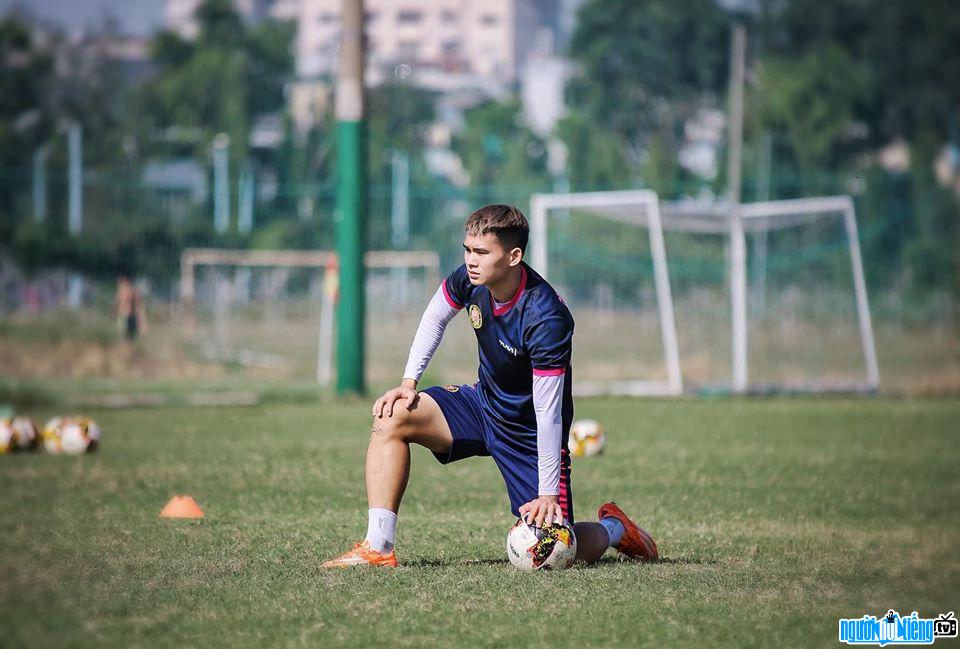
<point>389,268</point>
<point>640,207</point>
<point>778,215</point>
<point>786,310</point>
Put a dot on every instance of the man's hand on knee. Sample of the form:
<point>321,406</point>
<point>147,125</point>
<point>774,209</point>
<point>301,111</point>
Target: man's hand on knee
<point>406,394</point>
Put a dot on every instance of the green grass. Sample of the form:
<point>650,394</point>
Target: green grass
<point>774,517</point>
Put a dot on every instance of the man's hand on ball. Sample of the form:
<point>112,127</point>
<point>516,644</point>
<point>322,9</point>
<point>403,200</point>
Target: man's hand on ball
<point>541,509</point>
<point>407,392</point>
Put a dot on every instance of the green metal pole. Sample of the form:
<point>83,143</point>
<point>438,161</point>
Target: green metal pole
<point>351,202</point>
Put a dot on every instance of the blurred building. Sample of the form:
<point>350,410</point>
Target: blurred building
<point>471,49</point>
<point>453,36</point>
<point>179,14</point>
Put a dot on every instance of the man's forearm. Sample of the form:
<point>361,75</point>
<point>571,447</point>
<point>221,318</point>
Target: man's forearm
<point>548,406</point>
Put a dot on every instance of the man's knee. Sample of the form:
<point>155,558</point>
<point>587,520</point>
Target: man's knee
<point>400,425</point>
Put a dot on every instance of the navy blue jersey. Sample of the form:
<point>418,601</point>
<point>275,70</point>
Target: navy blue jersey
<point>532,333</point>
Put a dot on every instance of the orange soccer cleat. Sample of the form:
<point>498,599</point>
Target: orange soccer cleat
<point>636,543</point>
<point>362,555</point>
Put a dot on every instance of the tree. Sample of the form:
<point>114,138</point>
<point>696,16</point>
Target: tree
<point>595,159</point>
<point>647,66</point>
<point>26,116</point>
<point>219,83</point>
<point>497,148</point>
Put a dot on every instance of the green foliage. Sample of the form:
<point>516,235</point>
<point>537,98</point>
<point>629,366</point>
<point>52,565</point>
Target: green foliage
<point>646,65</point>
<point>811,100</point>
<point>219,83</point>
<point>26,76</point>
<point>397,117</point>
<point>497,148</point>
<point>143,247</point>
<point>906,54</point>
<point>293,233</point>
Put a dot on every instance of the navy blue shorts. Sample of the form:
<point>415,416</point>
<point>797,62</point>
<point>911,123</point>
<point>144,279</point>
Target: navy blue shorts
<point>475,433</point>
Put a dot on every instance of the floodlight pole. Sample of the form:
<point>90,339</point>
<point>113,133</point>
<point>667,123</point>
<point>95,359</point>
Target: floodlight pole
<point>399,220</point>
<point>738,243</point>
<point>350,210</point>
<point>221,183</point>
<point>75,205</point>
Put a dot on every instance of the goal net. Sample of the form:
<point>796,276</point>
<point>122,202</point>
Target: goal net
<point>236,301</point>
<point>785,309</point>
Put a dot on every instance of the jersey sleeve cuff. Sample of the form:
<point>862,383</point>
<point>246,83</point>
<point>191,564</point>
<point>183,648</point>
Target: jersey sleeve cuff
<point>446,294</point>
<point>549,371</point>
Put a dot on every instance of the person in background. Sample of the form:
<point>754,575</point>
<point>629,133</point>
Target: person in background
<point>128,306</point>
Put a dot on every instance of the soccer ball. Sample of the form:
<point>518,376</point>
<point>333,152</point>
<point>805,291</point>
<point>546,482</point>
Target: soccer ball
<point>586,438</point>
<point>18,434</point>
<point>7,443</point>
<point>71,435</point>
<point>551,547</point>
<point>26,437</point>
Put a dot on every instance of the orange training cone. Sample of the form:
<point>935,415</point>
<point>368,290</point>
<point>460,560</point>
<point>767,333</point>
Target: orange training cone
<point>182,507</point>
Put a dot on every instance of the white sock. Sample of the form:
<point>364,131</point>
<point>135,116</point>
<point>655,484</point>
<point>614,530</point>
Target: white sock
<point>615,529</point>
<point>381,529</point>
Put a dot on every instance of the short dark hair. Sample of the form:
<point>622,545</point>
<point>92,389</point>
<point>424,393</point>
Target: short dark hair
<point>506,222</point>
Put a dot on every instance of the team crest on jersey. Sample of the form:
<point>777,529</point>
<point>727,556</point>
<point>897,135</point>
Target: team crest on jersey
<point>452,388</point>
<point>476,318</point>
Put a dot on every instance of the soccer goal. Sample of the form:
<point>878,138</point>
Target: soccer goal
<point>605,254</point>
<point>768,297</point>
<point>273,310</point>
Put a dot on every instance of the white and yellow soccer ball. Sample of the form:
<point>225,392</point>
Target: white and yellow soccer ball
<point>71,435</point>
<point>7,442</point>
<point>551,547</point>
<point>586,438</point>
<point>26,436</point>
<point>18,434</point>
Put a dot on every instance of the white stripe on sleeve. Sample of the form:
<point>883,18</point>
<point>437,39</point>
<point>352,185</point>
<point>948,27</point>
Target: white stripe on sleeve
<point>432,325</point>
<point>548,405</point>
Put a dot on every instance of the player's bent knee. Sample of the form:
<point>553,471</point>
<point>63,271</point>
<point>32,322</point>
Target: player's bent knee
<point>397,426</point>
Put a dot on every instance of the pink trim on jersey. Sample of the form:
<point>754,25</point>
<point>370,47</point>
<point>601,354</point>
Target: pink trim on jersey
<point>498,311</point>
<point>564,496</point>
<point>553,371</point>
<point>446,294</point>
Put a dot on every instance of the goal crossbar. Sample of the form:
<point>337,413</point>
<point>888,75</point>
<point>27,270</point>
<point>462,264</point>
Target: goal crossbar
<point>194,257</point>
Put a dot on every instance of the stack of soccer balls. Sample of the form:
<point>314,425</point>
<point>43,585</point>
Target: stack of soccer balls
<point>586,438</point>
<point>71,435</point>
<point>551,547</point>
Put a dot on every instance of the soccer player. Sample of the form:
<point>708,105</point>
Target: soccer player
<point>519,412</point>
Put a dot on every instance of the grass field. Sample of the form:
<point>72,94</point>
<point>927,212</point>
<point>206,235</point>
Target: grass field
<point>774,517</point>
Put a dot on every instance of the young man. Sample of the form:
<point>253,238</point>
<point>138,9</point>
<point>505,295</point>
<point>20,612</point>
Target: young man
<point>519,412</point>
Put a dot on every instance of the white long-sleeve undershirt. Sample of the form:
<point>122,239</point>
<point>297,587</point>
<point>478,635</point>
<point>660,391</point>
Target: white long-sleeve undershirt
<point>436,317</point>
<point>548,406</point>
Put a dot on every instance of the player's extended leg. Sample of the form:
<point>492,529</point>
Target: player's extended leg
<point>387,469</point>
<point>616,530</point>
<point>388,453</point>
<point>592,541</point>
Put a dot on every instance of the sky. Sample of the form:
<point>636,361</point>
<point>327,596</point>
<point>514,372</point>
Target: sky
<point>134,16</point>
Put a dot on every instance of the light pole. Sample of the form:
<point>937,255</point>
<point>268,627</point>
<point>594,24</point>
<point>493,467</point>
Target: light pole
<point>350,215</point>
